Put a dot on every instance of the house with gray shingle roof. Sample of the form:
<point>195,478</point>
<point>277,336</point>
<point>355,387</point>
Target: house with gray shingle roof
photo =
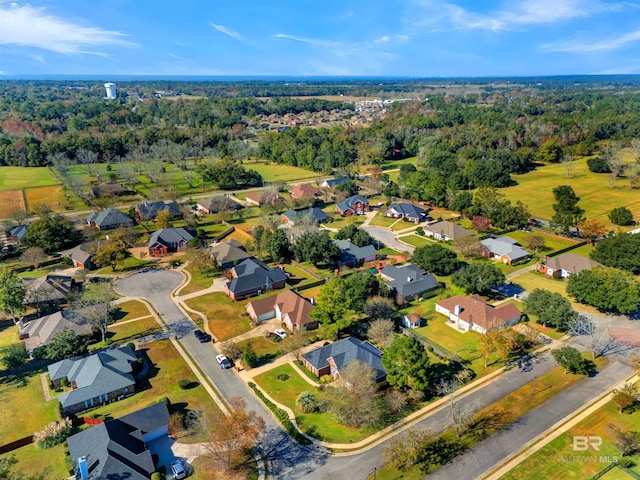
<point>408,211</point>
<point>50,289</point>
<point>109,219</point>
<point>355,205</point>
<point>253,277</point>
<point>81,256</point>
<point>408,282</point>
<point>227,254</point>
<point>95,379</point>
<point>41,331</point>
<point>168,240</point>
<point>502,249</point>
<point>117,449</point>
<point>351,254</point>
<point>332,183</point>
<point>295,216</point>
<point>446,230</point>
<point>568,264</point>
<point>149,210</point>
<point>328,360</point>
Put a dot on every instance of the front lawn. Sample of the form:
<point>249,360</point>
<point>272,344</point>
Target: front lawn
<point>199,281</point>
<point>24,410</point>
<point>132,330</point>
<point>128,264</point>
<point>417,240</point>
<point>318,425</point>
<point>167,368</point>
<point>222,313</point>
<point>544,464</point>
<point>33,461</point>
<point>380,220</point>
<point>129,310</point>
<point>265,349</point>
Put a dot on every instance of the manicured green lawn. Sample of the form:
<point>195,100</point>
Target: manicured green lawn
<point>16,178</point>
<point>199,281</point>
<point>8,333</point>
<point>24,409</point>
<point>320,425</point>
<point>535,189</point>
<point>273,172</point>
<point>417,240</point>
<point>168,367</point>
<point>33,460</point>
<point>533,280</point>
<point>129,310</point>
<point>298,277</point>
<point>266,350</point>
<point>338,221</point>
<point>223,314</point>
<point>543,465</point>
<point>128,264</point>
<point>552,242</point>
<point>584,250</point>
<point>381,221</point>
<point>132,330</point>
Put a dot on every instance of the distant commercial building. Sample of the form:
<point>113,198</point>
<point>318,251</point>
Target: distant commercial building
<point>111,91</point>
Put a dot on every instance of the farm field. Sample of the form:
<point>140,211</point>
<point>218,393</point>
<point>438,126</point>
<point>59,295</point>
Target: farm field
<point>11,201</point>
<point>54,197</point>
<point>596,198</point>
<point>17,178</point>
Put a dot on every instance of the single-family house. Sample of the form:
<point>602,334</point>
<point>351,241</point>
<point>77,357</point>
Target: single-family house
<point>95,379</point>
<point>118,448</point>
<point>16,234</point>
<point>411,320</point>
<point>264,198</point>
<point>228,253</point>
<point>473,313</point>
<point>502,249</point>
<point>41,331</point>
<point>355,205</point>
<point>109,189</point>
<point>81,256</point>
<point>407,211</point>
<point>109,219</point>
<point>332,183</point>
<point>409,282</point>
<point>253,277</point>
<point>568,264</point>
<point>168,240</point>
<point>295,216</point>
<point>220,203</point>
<point>149,210</point>
<point>50,289</point>
<point>445,231</point>
<point>329,359</point>
<point>352,255</point>
<point>304,190</point>
<point>287,306</point>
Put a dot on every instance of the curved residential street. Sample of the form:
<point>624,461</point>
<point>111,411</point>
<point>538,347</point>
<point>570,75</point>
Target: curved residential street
<point>288,460</point>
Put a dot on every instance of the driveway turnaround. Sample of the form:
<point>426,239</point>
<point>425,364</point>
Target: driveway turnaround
<point>388,238</point>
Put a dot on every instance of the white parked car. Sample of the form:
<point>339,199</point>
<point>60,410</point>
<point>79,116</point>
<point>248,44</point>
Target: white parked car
<point>280,333</point>
<point>223,361</point>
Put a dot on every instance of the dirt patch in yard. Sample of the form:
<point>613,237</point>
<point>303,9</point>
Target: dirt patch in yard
<point>626,336</point>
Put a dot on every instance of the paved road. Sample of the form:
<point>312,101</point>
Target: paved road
<point>387,237</point>
<point>490,452</point>
<point>288,459</point>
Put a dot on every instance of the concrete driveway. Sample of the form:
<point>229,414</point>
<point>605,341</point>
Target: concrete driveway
<point>387,237</point>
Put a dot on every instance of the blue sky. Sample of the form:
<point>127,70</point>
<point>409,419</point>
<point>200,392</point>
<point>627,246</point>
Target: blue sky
<point>320,37</point>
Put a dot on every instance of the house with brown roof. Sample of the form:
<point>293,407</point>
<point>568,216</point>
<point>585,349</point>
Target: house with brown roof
<point>304,190</point>
<point>264,198</point>
<point>287,306</point>
<point>568,264</point>
<point>474,313</point>
<point>445,231</point>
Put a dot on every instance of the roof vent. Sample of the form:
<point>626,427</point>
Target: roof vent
<point>83,468</point>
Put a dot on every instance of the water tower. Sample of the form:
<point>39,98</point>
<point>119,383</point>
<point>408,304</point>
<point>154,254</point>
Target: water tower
<point>111,91</point>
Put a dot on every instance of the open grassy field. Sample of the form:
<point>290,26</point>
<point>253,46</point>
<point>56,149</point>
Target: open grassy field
<point>273,172</point>
<point>545,464</point>
<point>11,201</point>
<point>552,242</point>
<point>24,409</point>
<point>223,314</point>
<point>33,461</point>
<point>535,189</point>
<point>16,178</point>
<point>319,425</point>
<point>54,197</point>
<point>167,368</point>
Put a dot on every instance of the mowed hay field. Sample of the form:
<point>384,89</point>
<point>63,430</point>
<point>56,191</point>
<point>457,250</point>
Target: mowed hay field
<point>16,178</point>
<point>10,201</point>
<point>535,189</point>
<point>54,197</point>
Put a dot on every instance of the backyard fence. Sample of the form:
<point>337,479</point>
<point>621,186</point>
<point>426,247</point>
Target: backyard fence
<point>9,447</point>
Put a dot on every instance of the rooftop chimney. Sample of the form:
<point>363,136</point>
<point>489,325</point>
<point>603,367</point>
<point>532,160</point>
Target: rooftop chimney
<point>456,310</point>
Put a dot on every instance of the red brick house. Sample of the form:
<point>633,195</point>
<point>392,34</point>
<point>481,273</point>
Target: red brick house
<point>304,190</point>
<point>169,240</point>
<point>356,205</point>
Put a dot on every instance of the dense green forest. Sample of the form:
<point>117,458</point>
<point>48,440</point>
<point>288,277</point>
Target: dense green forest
<point>460,141</point>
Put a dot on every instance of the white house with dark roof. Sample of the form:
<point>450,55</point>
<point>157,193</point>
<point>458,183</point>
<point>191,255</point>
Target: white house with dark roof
<point>474,313</point>
<point>566,265</point>
<point>407,211</point>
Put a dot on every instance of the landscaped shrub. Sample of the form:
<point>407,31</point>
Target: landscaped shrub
<point>54,433</point>
<point>420,231</point>
<point>132,345</point>
<point>184,383</point>
<point>283,377</point>
<point>157,476</point>
<point>249,357</point>
<point>326,379</point>
<point>307,402</point>
<point>626,462</point>
<point>282,417</point>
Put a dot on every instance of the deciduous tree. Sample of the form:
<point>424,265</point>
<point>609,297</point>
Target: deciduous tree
<point>12,293</point>
<point>436,259</point>
<point>608,289</point>
<point>34,256</point>
<point>478,277</point>
<point>65,344</point>
<point>592,230</point>
<point>551,308</point>
<point>407,364</point>
<point>164,219</point>
<point>381,333</point>
<point>572,361</point>
<point>619,251</point>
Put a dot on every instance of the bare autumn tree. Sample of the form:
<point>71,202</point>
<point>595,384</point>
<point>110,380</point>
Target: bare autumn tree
<point>404,452</point>
<point>381,332</point>
<point>461,413</point>
<point>295,343</point>
<point>95,306</point>
<point>34,256</point>
<point>231,438</point>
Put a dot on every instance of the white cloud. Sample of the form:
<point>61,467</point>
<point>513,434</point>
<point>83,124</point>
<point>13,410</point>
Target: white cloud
<point>37,58</point>
<point>29,26</point>
<point>295,38</point>
<point>227,31</point>
<point>382,39</point>
<point>173,55</point>
<point>590,46</point>
<point>518,14</point>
